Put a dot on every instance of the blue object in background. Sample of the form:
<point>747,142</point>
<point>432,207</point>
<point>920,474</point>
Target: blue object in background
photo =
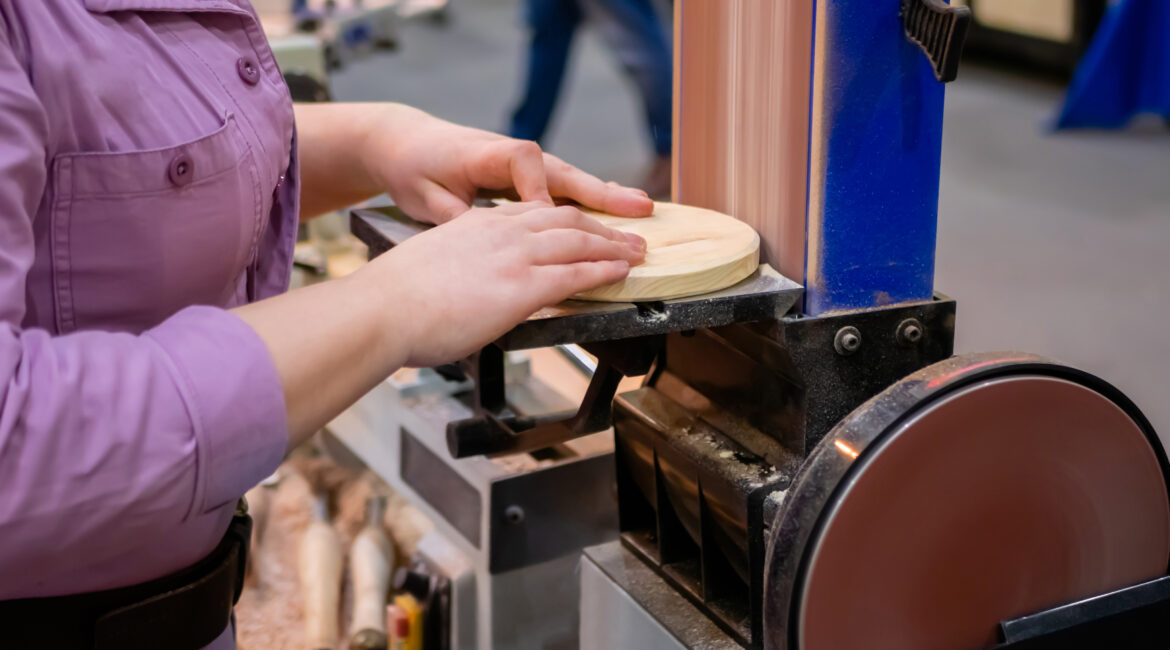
<point>631,28</point>
<point>1125,71</point>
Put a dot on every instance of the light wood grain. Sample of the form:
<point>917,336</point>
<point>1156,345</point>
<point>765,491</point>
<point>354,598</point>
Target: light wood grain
<point>690,251</point>
<point>259,499</point>
<point>371,561</point>
<point>319,566</point>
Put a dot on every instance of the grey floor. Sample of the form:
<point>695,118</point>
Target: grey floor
<point>1055,244</point>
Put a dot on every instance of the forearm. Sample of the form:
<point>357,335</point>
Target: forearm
<point>331,343</point>
<point>116,432</point>
<point>332,141</point>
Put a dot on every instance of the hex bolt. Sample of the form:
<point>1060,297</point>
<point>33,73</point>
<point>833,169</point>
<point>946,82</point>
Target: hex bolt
<point>909,332</point>
<point>513,514</point>
<point>847,341</point>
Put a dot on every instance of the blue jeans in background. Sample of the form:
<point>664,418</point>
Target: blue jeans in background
<point>632,29</point>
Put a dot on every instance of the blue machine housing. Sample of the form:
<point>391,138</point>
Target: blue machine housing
<point>874,152</point>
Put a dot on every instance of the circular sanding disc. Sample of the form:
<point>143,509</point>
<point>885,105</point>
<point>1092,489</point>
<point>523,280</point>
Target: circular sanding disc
<point>1002,499</point>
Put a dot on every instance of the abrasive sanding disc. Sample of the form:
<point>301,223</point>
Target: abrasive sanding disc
<point>998,499</point>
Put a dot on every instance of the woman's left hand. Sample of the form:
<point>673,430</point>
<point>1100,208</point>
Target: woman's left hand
<point>433,169</point>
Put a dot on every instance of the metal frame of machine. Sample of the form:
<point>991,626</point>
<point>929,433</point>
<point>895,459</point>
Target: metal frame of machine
<point>659,611</point>
<point>731,451</point>
<point>724,423</point>
<point>709,458</point>
<point>426,438</point>
<point>501,554</point>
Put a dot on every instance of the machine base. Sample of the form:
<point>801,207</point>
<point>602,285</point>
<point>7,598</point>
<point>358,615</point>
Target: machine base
<point>625,604</point>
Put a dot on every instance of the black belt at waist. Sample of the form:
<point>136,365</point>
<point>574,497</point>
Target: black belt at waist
<point>186,610</point>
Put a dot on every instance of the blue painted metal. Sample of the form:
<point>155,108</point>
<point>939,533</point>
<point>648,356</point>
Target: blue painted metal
<point>876,142</point>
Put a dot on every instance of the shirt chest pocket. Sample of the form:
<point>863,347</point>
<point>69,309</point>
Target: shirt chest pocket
<point>136,236</point>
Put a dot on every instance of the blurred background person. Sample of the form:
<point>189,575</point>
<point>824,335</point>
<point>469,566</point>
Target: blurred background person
<point>635,32</point>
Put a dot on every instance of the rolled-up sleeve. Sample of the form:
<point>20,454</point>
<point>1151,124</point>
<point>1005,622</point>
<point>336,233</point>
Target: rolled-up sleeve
<point>107,435</point>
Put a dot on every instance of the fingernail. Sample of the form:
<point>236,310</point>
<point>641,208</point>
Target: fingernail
<point>635,241</point>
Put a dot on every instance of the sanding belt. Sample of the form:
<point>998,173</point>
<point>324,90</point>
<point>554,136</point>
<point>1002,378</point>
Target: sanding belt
<point>186,610</point>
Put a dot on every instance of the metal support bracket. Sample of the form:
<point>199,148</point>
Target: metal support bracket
<point>1132,617</point>
<point>495,431</point>
<point>940,30</point>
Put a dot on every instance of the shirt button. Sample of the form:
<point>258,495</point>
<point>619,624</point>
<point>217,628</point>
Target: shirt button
<point>181,170</point>
<point>249,70</point>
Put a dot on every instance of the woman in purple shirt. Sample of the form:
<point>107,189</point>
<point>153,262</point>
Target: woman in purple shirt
<point>152,365</point>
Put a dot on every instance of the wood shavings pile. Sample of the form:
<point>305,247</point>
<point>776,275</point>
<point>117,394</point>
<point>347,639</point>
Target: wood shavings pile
<point>269,615</point>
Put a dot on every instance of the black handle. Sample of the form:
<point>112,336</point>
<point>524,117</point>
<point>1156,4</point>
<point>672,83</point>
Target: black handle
<point>488,434</point>
<point>939,29</point>
<point>496,430</point>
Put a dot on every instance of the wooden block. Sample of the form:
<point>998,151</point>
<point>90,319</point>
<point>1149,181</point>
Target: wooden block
<point>319,563</point>
<point>371,561</point>
<point>690,251</point>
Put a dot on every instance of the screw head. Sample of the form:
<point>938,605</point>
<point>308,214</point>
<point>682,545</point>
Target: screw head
<point>909,332</point>
<point>847,341</point>
<point>513,514</point>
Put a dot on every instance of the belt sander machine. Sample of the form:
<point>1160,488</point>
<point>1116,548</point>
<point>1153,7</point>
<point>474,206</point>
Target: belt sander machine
<point>805,464</point>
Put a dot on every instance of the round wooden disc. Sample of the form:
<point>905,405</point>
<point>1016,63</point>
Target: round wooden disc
<point>689,251</point>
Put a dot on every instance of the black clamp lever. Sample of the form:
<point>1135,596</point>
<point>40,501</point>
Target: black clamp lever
<point>940,30</point>
<point>496,430</point>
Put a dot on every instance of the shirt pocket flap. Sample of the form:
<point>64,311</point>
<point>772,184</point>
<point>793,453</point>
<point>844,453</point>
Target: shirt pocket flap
<point>156,170</point>
<point>137,235</point>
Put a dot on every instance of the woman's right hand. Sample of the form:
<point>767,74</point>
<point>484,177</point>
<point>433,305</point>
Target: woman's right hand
<point>437,297</point>
<point>451,290</point>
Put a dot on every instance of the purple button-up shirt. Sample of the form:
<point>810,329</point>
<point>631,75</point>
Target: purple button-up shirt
<point>147,182</point>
